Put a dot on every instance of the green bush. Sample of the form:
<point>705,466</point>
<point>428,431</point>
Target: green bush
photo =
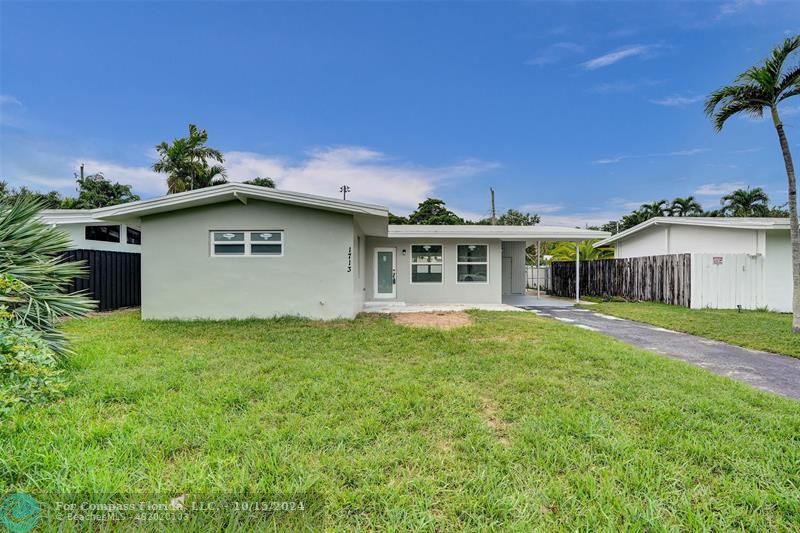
<point>29,368</point>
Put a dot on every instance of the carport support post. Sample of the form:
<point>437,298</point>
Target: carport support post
<point>538,269</point>
<point>577,271</point>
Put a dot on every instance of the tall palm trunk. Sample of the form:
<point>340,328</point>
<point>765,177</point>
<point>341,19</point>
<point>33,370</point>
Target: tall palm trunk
<point>794,229</point>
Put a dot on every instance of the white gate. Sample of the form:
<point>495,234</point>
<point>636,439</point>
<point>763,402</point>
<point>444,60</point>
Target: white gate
<point>725,281</point>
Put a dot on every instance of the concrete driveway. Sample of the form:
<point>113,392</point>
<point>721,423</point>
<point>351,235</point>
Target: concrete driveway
<point>775,373</point>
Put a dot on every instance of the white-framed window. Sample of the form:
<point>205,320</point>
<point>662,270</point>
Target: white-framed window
<point>427,263</point>
<point>262,243</point>
<point>472,263</point>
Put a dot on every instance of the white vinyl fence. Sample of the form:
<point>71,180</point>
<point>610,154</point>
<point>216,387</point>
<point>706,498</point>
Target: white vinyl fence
<point>725,281</point>
<point>538,277</point>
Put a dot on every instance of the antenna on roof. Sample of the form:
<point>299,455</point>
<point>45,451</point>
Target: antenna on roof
<point>344,189</point>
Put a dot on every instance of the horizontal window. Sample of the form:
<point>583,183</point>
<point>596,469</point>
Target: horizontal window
<point>247,243</point>
<point>427,263</point>
<point>102,233</point>
<point>472,265</point>
<point>134,236</point>
<point>472,273</point>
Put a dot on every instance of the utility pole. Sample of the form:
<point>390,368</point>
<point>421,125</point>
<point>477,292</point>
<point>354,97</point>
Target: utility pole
<point>494,213</point>
<point>81,171</point>
<point>344,189</point>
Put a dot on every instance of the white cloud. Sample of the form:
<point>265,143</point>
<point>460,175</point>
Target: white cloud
<point>580,219</point>
<point>719,189</point>
<point>678,100</point>
<point>617,159</point>
<point>469,215</point>
<point>622,86</point>
<point>731,8</point>
<point>554,53</point>
<point>8,99</point>
<point>372,177</point>
<point>616,56</point>
<point>789,110</point>
<point>541,208</point>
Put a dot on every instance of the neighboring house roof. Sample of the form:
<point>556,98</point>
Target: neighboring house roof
<point>511,233</point>
<point>371,218</point>
<point>709,222</point>
<point>69,216</point>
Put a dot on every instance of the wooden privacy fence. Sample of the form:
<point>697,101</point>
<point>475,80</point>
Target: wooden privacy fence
<point>657,278</point>
<point>114,278</point>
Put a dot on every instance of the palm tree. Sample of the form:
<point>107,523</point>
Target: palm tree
<point>33,276</point>
<point>746,203</point>
<point>186,162</point>
<point>685,207</point>
<point>760,87</point>
<point>565,251</point>
<point>655,209</point>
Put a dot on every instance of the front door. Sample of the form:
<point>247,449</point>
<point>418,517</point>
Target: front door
<point>385,273</point>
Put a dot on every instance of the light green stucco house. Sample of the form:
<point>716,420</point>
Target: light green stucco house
<point>239,251</point>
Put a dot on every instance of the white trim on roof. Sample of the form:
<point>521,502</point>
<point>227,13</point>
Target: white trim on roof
<point>518,233</point>
<point>236,191</point>
<point>69,216</point>
<point>709,222</point>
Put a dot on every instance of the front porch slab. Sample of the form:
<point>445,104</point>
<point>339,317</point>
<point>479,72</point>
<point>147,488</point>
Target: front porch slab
<point>400,307</point>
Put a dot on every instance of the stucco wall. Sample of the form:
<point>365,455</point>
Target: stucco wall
<point>358,267</point>
<point>650,241</point>
<point>180,278</point>
<point>77,232</point>
<point>446,292</point>
<point>778,271</point>
<point>695,239</point>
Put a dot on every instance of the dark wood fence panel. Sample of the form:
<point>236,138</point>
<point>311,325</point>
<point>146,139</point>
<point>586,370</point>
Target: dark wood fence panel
<point>114,278</point>
<point>657,278</point>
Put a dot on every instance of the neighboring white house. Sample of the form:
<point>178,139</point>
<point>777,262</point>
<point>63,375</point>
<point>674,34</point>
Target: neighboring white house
<point>735,261</point>
<point>90,233</point>
<point>238,251</point>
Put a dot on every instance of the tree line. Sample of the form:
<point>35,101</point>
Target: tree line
<point>433,211</point>
<point>739,203</point>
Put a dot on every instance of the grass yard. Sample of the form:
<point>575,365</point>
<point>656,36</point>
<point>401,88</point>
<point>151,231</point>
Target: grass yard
<point>759,330</point>
<point>514,422</point>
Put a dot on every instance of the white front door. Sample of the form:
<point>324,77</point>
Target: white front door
<point>385,273</point>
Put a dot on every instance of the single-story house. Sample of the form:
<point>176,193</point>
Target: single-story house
<point>736,261</point>
<point>90,233</point>
<point>238,251</point>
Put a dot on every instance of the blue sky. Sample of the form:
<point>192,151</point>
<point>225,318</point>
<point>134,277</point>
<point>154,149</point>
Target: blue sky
<point>578,111</point>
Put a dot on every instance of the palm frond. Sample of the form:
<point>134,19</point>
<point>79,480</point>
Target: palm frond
<point>774,63</point>
<point>30,254</point>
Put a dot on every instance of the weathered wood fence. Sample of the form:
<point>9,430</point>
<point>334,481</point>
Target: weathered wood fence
<point>657,278</point>
<point>114,278</point>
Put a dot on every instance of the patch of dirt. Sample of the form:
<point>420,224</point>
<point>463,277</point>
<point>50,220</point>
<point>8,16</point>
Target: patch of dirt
<point>489,413</point>
<point>443,320</point>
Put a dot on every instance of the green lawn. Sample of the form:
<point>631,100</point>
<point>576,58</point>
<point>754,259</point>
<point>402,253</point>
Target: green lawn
<point>759,330</point>
<point>515,422</point>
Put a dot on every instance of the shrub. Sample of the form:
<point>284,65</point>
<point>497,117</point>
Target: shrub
<point>33,273</point>
<point>29,370</point>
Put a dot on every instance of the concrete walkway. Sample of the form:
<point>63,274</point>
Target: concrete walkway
<point>776,373</point>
